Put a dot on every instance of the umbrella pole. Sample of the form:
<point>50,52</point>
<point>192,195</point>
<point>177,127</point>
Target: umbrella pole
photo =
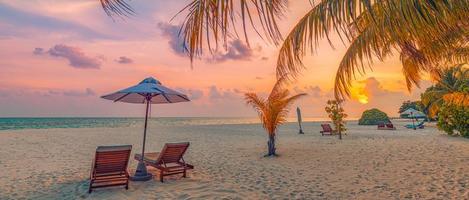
<point>141,173</point>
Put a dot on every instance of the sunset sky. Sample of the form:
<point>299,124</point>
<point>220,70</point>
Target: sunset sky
<point>57,57</point>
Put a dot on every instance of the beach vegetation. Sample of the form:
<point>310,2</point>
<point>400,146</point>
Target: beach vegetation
<point>450,80</point>
<point>453,116</point>
<point>373,117</point>
<point>273,110</point>
<point>337,114</point>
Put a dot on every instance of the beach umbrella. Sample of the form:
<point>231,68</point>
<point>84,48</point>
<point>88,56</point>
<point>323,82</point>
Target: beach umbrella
<point>413,114</point>
<point>298,114</point>
<point>149,91</point>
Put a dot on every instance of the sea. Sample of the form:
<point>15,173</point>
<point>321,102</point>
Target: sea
<point>99,122</point>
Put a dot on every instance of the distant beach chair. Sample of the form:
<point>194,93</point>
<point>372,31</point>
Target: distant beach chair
<point>109,167</point>
<point>386,126</point>
<point>327,130</point>
<point>420,125</point>
<point>169,161</point>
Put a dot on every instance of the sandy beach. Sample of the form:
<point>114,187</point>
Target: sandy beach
<point>229,163</point>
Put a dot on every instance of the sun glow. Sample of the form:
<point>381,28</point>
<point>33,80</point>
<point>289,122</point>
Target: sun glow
<point>359,93</point>
<point>363,99</point>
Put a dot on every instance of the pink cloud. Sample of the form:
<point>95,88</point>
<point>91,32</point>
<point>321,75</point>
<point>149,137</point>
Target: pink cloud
<point>124,60</point>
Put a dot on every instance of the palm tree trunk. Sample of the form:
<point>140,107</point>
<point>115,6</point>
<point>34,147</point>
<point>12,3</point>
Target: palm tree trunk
<point>271,146</point>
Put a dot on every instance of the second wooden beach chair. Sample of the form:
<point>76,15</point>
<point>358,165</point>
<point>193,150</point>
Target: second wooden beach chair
<point>169,161</point>
<point>327,130</point>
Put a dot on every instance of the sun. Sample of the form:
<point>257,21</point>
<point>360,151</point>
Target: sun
<point>363,99</point>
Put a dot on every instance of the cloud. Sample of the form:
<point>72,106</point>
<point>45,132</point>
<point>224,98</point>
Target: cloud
<point>312,91</point>
<point>124,60</point>
<point>74,93</point>
<point>193,94</point>
<point>24,19</point>
<point>215,93</point>
<point>31,92</point>
<point>38,51</point>
<point>171,32</point>
<point>237,50</point>
<point>258,78</point>
<point>74,55</point>
<point>374,87</point>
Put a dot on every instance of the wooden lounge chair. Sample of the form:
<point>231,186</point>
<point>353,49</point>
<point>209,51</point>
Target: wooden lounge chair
<point>387,126</point>
<point>327,130</point>
<point>169,161</point>
<point>420,125</point>
<point>109,167</point>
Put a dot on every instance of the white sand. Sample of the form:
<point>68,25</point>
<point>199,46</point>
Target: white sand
<point>366,164</point>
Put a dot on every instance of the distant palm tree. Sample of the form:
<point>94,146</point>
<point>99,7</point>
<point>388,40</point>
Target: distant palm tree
<point>272,111</point>
<point>452,80</point>
<point>426,33</point>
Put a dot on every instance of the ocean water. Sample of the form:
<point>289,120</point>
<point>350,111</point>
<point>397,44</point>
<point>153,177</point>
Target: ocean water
<point>90,122</point>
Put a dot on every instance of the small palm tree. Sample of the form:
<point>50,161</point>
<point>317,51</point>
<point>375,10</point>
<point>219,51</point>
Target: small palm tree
<point>272,111</point>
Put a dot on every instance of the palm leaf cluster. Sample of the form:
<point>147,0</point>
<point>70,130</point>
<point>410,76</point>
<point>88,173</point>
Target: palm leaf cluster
<point>426,34</point>
<point>272,110</point>
<point>452,85</point>
<point>212,22</point>
<point>117,7</point>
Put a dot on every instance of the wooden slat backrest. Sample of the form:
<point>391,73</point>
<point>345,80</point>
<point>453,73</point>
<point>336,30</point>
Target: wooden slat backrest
<point>326,127</point>
<point>112,159</point>
<point>172,152</point>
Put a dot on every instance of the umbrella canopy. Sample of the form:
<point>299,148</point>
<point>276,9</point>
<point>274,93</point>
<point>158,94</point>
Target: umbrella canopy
<point>413,113</point>
<point>148,89</point>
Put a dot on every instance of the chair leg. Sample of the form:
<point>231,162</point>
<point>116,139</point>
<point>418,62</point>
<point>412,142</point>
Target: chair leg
<point>89,188</point>
<point>161,176</point>
<point>127,185</point>
<point>184,174</point>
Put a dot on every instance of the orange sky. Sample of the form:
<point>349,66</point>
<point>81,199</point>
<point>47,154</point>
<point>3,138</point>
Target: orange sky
<point>58,57</point>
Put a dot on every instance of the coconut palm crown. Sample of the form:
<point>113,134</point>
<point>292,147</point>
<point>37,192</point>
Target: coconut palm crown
<point>273,110</point>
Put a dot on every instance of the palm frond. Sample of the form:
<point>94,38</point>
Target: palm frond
<point>117,7</point>
<point>375,29</point>
<point>328,16</point>
<point>208,20</point>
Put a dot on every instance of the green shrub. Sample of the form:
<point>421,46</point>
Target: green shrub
<point>373,117</point>
<point>454,119</point>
